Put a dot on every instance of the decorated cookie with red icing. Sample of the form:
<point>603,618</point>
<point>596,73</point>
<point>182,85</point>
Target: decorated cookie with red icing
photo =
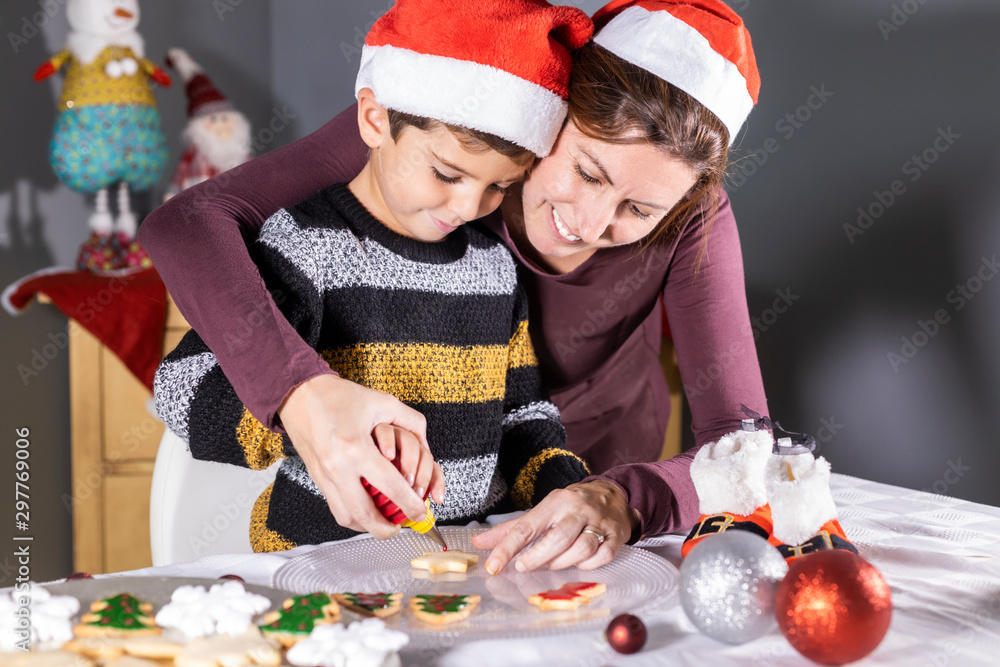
<point>568,596</point>
<point>379,605</point>
<point>122,615</point>
<point>298,616</point>
<point>443,609</point>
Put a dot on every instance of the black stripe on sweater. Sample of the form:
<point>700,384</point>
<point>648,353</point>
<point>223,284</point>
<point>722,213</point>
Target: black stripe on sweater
<point>407,316</point>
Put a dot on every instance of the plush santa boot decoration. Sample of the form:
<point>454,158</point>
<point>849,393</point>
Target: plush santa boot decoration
<point>729,478</point>
<point>217,136</point>
<point>803,513</point>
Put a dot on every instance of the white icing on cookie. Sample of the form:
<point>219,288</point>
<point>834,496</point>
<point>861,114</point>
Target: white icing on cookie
<point>225,609</point>
<point>50,617</point>
<point>367,643</point>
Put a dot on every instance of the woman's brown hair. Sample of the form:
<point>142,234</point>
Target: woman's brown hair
<point>613,100</point>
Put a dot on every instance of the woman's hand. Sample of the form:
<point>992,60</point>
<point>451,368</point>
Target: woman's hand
<point>571,523</point>
<point>343,432</point>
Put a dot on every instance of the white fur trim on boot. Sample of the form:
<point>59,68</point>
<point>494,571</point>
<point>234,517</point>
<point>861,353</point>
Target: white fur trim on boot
<point>729,474</point>
<point>798,488</point>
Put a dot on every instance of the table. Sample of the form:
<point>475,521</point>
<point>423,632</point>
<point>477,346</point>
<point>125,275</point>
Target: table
<point>940,555</point>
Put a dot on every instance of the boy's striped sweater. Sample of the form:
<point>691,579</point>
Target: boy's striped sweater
<point>441,326</point>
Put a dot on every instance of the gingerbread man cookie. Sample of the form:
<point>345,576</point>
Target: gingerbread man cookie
<point>379,605</point>
<point>111,648</point>
<point>129,661</point>
<point>298,616</point>
<point>228,651</point>
<point>45,659</point>
<point>568,596</point>
<point>443,609</point>
<point>437,562</point>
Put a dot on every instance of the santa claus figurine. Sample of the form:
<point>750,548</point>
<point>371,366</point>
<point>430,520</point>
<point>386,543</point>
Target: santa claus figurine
<point>217,136</point>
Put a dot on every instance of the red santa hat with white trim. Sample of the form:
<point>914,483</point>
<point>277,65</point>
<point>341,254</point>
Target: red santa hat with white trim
<point>700,46</point>
<point>497,66</point>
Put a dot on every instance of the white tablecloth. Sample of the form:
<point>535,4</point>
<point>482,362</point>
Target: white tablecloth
<point>939,555</point>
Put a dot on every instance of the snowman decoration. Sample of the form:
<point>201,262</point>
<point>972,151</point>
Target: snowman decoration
<point>107,128</point>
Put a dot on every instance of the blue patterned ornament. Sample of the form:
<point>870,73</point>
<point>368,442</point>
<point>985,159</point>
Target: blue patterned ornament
<point>728,583</point>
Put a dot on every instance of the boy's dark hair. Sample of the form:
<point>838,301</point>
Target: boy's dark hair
<point>474,140</point>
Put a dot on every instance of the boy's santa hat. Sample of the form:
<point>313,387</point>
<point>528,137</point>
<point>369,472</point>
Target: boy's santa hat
<point>700,46</point>
<point>497,66</point>
<point>203,97</point>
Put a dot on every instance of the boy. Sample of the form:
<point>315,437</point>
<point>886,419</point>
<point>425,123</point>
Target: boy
<point>385,279</point>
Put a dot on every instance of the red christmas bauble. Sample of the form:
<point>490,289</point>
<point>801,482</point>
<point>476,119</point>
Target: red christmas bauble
<point>833,607</point>
<point>78,575</point>
<point>626,633</point>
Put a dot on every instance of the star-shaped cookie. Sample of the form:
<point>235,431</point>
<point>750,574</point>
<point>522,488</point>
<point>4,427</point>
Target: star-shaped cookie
<point>437,562</point>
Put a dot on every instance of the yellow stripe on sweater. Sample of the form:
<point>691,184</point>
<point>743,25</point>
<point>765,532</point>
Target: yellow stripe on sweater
<point>522,353</point>
<point>261,446</point>
<point>524,486</point>
<point>424,372</point>
<point>262,538</point>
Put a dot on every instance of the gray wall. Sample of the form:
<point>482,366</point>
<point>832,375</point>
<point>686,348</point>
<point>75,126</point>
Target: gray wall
<point>926,424</point>
<point>924,419</point>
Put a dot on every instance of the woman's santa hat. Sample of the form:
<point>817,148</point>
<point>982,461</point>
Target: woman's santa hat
<point>497,66</point>
<point>700,46</point>
<point>203,97</point>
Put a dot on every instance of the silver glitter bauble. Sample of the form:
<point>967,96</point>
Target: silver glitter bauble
<point>728,583</point>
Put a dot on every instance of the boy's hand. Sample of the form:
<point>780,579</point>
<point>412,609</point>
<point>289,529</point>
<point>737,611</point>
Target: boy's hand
<point>331,422</point>
<point>416,464</point>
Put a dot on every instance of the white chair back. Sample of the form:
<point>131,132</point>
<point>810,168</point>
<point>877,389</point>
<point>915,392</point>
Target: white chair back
<point>199,508</point>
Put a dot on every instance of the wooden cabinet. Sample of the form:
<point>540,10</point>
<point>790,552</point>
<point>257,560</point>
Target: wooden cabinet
<point>115,438</point>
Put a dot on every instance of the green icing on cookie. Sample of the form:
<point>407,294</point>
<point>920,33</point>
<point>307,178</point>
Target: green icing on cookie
<point>299,615</point>
<point>121,612</point>
<point>442,604</point>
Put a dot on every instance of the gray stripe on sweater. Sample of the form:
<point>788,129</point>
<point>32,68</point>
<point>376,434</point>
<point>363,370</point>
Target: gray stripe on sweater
<point>352,262</point>
<point>174,387</point>
<point>472,486</point>
<point>537,410</point>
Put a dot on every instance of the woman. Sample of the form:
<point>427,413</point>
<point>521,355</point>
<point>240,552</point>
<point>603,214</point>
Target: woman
<point>628,207</point>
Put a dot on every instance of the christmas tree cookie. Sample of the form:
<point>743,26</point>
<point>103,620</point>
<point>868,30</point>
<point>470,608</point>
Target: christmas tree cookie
<point>122,615</point>
<point>442,609</point>
<point>568,596</point>
<point>371,604</point>
<point>298,616</point>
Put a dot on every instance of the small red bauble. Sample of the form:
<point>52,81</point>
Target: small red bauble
<point>626,633</point>
<point>833,607</point>
<point>78,575</point>
<point>233,577</point>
